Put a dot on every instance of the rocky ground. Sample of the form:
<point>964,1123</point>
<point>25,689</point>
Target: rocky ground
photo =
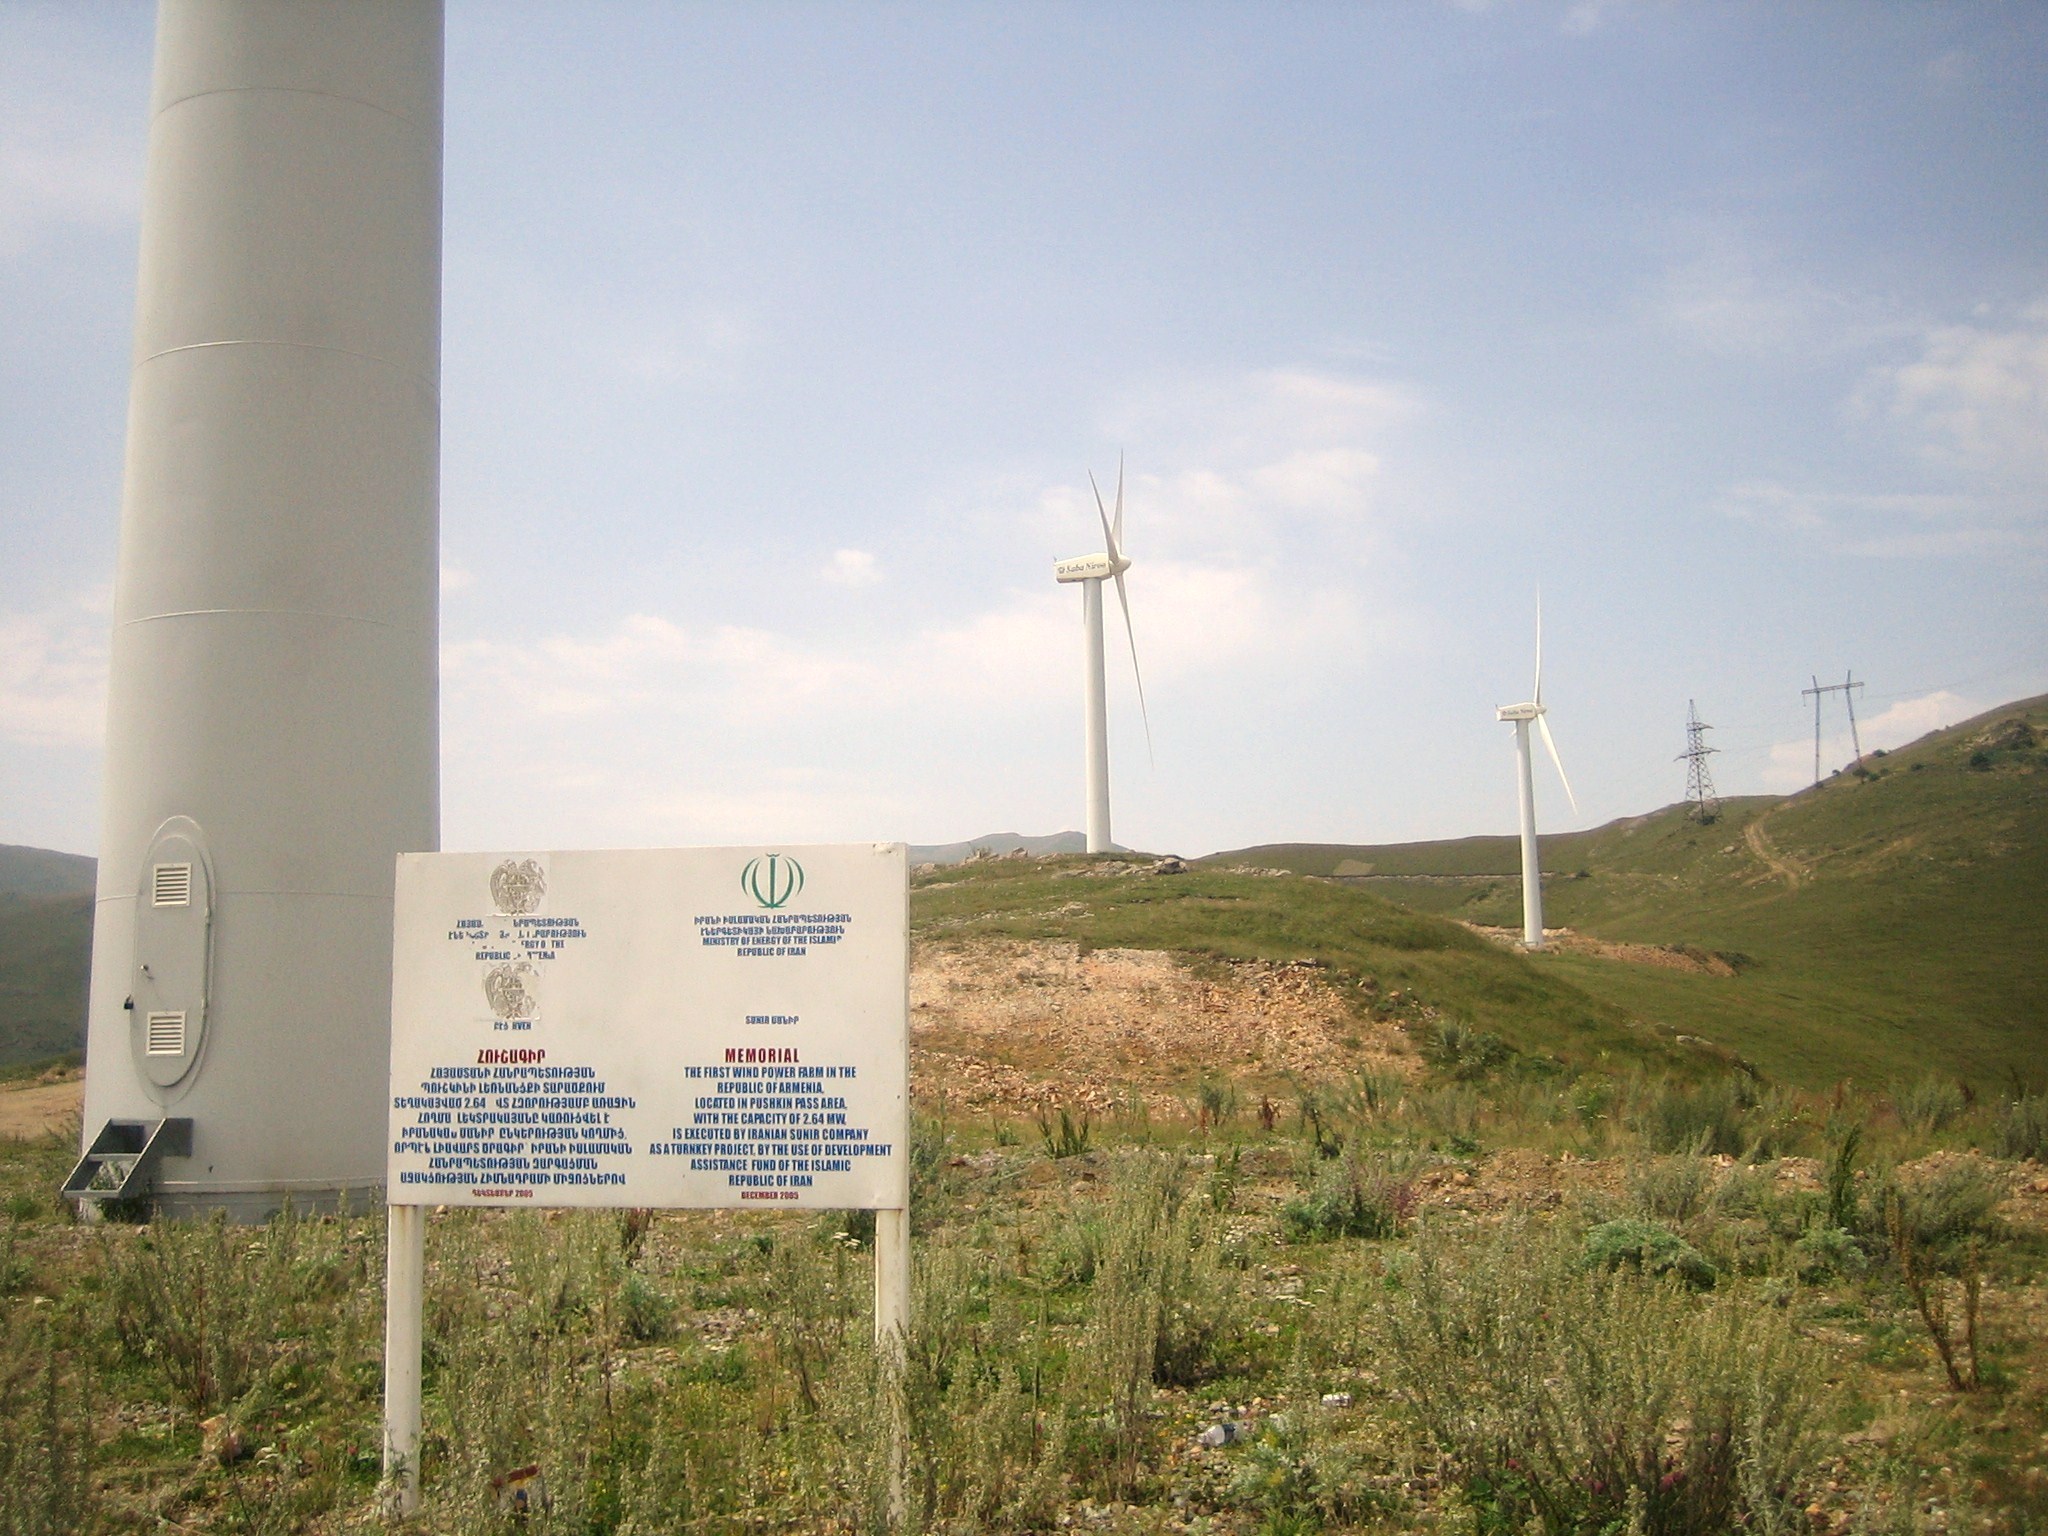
<point>1014,1027</point>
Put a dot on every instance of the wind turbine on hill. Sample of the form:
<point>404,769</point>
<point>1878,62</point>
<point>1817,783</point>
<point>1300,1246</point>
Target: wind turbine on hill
<point>1522,715</point>
<point>1091,571</point>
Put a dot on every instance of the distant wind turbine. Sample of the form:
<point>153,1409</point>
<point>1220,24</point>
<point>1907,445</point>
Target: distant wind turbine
<point>1532,870</point>
<point>1091,571</point>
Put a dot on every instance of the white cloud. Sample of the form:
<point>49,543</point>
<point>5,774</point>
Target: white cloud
<point>1725,292</point>
<point>1953,70</point>
<point>53,676</point>
<point>1903,525</point>
<point>851,568</point>
<point>1975,401</point>
<point>1322,479</point>
<point>1972,406</point>
<point>1257,467</point>
<point>701,344</point>
<point>1584,17</point>
<point>1907,720</point>
<point>1247,530</point>
<point>725,675</point>
<point>654,731</point>
<point>1189,620</point>
<point>71,141</point>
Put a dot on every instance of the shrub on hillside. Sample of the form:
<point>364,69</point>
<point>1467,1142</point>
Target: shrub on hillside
<point>645,1313</point>
<point>46,1429</point>
<point>1466,1053</point>
<point>1843,1205</point>
<point>1351,1198</point>
<point>1297,1476</point>
<point>1823,1253</point>
<point>1698,1118</point>
<point>1449,1116</point>
<point>1941,1207</point>
<point>1161,1308</point>
<point>14,1267</point>
<point>210,1306</point>
<point>931,1167</point>
<point>1672,1188</point>
<point>1931,1104</point>
<point>1573,1399</point>
<point>2023,1128</point>
<point>1648,1248</point>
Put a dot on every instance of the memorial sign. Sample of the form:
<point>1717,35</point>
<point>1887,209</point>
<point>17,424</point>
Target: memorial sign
<point>695,1027</point>
<point>678,1027</point>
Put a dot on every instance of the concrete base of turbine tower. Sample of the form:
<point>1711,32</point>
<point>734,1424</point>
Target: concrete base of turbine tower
<point>250,1207</point>
<point>259,1205</point>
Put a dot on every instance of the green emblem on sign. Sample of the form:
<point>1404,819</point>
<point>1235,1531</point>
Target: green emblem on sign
<point>772,879</point>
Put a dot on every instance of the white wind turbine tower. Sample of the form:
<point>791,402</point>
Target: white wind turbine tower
<point>1532,870</point>
<point>1091,571</point>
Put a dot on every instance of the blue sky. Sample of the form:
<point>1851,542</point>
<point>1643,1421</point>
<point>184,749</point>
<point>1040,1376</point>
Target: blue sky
<point>779,341</point>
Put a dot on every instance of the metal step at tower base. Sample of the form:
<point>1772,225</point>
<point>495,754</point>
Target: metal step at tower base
<point>120,1167</point>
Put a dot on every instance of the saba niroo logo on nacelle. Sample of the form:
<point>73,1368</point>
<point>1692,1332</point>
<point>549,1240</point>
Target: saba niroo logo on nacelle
<point>772,879</point>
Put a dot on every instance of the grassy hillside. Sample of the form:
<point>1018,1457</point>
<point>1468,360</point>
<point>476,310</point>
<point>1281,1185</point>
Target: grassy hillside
<point>45,952</point>
<point>43,872</point>
<point>1883,924</point>
<point>45,956</point>
<point>1394,963</point>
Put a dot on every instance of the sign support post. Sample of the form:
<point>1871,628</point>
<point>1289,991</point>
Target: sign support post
<point>892,1334</point>
<point>405,1266</point>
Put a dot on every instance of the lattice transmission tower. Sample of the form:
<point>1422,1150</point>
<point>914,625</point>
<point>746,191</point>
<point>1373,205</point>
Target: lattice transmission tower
<point>1699,784</point>
<point>1847,689</point>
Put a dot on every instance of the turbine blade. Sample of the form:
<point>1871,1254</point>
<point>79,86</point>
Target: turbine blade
<point>1539,646</point>
<point>1119,501</point>
<point>1124,598</point>
<point>1108,537</point>
<point>1543,725</point>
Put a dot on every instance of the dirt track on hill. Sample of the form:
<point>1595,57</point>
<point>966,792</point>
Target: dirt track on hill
<point>33,1109</point>
<point>1761,845</point>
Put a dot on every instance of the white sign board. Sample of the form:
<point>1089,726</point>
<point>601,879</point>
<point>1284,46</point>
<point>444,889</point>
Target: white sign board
<point>688,1027</point>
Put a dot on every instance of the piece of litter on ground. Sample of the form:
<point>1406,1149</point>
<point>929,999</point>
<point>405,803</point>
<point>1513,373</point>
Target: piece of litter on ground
<point>520,1491</point>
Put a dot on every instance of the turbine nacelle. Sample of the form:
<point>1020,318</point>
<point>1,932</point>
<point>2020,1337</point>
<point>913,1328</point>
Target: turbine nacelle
<point>1101,567</point>
<point>1518,711</point>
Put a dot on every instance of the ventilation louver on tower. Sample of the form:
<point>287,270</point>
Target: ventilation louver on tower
<point>164,1034</point>
<point>171,886</point>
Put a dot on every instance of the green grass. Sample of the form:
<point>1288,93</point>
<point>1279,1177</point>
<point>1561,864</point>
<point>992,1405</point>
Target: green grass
<point>1910,943</point>
<point>1482,1355</point>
